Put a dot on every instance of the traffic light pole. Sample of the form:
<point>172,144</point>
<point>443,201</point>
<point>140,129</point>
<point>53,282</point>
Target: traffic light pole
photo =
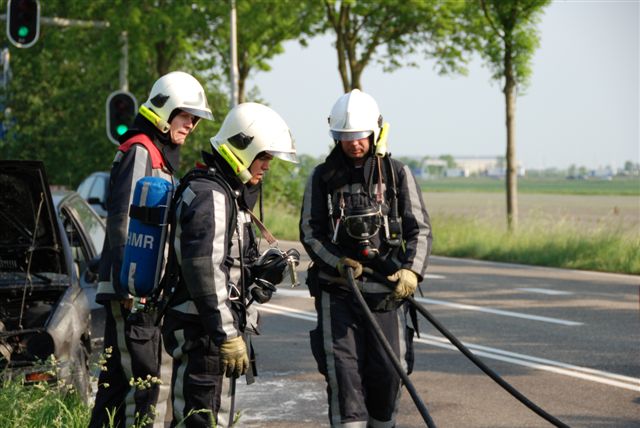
<point>122,97</point>
<point>124,62</point>
<point>234,56</point>
<point>64,22</point>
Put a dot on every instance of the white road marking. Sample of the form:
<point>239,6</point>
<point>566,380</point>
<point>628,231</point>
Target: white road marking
<point>584,373</point>
<point>546,291</point>
<point>498,312</point>
<point>305,293</point>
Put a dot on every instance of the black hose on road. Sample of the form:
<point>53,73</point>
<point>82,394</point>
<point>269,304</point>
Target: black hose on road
<point>482,366</point>
<point>387,347</point>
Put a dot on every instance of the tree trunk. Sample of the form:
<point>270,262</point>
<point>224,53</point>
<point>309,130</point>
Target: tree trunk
<point>512,167</point>
<point>510,106</point>
<point>341,45</point>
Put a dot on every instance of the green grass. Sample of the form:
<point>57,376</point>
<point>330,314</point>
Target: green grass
<point>559,243</point>
<point>562,245</point>
<point>41,405</point>
<point>618,186</point>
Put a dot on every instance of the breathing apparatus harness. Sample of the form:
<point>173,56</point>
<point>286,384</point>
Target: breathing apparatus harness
<point>172,278</point>
<point>267,271</point>
<point>364,222</point>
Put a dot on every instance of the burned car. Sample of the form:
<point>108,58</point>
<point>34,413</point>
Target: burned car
<point>49,247</point>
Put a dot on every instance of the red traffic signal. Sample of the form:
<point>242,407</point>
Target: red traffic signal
<point>23,22</point>
<point>122,108</point>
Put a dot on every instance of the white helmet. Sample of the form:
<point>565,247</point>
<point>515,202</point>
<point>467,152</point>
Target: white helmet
<point>355,115</point>
<point>176,90</point>
<point>250,129</point>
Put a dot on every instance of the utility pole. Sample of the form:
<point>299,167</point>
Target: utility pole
<point>234,56</point>
<point>124,62</point>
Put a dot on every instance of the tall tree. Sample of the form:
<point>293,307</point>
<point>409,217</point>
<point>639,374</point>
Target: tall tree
<point>55,101</point>
<point>262,28</point>
<point>388,32</point>
<point>510,38</point>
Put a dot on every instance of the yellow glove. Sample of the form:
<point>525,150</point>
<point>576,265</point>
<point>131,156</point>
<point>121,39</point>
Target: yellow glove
<point>346,262</point>
<point>407,282</point>
<point>233,357</point>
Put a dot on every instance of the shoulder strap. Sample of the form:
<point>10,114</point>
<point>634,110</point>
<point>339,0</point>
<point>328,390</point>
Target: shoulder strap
<point>263,229</point>
<point>157,161</point>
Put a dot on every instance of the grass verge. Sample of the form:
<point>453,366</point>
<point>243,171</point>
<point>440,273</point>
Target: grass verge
<point>562,244</point>
<point>41,405</point>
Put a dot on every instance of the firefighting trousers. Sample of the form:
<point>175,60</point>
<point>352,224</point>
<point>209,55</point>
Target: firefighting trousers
<point>363,386</point>
<point>133,353</point>
<point>202,397</point>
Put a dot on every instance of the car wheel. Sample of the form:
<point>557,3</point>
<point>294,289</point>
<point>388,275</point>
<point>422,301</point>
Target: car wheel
<point>81,378</point>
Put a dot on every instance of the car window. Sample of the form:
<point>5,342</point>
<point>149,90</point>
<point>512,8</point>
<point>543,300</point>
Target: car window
<point>98,189</point>
<point>85,186</point>
<point>90,221</point>
<point>80,249</point>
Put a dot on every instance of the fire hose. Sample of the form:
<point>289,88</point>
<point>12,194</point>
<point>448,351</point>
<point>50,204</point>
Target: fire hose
<point>389,351</point>
<point>446,333</point>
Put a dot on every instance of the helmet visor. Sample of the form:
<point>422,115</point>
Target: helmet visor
<point>204,114</point>
<point>350,135</point>
<point>285,156</point>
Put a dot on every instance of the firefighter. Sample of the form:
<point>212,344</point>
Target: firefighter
<point>362,208</point>
<point>132,341</point>
<point>206,320</point>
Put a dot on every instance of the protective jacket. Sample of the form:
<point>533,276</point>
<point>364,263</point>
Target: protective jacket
<point>212,230</point>
<point>133,338</point>
<point>337,189</point>
<point>131,163</point>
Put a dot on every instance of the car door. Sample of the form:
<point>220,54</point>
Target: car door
<point>86,232</point>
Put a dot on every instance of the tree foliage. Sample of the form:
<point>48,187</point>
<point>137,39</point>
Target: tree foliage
<point>388,32</point>
<point>510,37</point>
<point>55,101</point>
<point>262,28</point>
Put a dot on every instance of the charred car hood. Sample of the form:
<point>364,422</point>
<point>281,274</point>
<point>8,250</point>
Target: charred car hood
<point>30,235</point>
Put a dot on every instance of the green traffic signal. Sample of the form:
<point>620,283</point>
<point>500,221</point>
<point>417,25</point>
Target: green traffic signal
<point>121,112</point>
<point>23,22</point>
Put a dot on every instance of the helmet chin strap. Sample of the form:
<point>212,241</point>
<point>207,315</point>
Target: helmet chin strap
<point>157,121</point>
<point>241,171</point>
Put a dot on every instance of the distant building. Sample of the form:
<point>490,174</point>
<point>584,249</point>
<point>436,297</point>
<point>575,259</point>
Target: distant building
<point>456,172</point>
<point>466,166</point>
<point>489,166</point>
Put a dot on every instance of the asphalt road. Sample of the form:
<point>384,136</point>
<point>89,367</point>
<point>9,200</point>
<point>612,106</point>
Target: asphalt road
<point>568,340</point>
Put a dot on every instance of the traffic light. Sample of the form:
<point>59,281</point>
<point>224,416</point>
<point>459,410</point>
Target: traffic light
<point>121,110</point>
<point>23,22</point>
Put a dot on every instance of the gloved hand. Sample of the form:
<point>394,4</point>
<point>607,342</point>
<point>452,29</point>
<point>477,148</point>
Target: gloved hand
<point>407,282</point>
<point>346,262</point>
<point>233,357</point>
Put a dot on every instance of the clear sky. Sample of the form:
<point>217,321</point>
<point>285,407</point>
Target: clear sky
<point>582,106</point>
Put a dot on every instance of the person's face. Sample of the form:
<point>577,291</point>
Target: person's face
<point>356,149</point>
<point>258,167</point>
<point>181,126</point>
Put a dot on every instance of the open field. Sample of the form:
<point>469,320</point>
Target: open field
<point>591,232</point>
<point>629,186</point>
<point>592,212</point>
